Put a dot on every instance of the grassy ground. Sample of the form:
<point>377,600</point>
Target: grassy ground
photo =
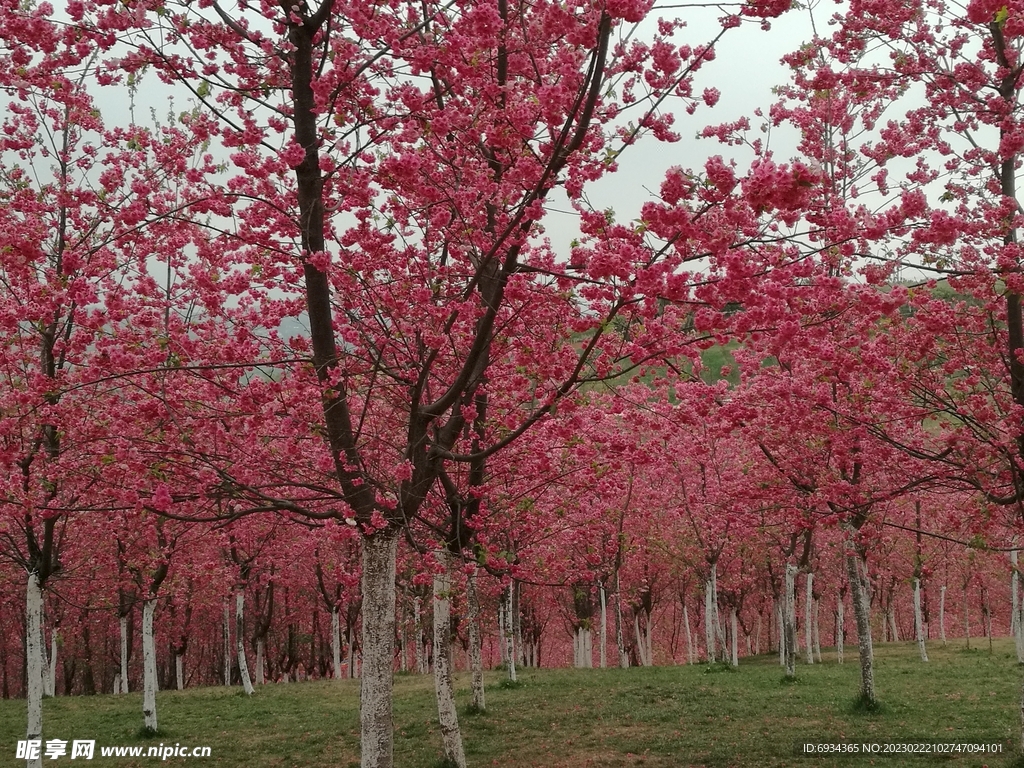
<point>668,716</point>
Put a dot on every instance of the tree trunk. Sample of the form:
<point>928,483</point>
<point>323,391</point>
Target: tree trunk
<point>51,672</point>
<point>243,665</point>
<point>476,661</point>
<point>34,661</point>
<point>451,736</point>
<point>782,632</point>
<point>604,627</point>
<point>919,621</point>
<point>123,622</point>
<point>840,629</point>
<point>691,652</point>
<point>789,620</point>
<point>862,612</point>
<point>733,627</point>
<point>149,681</point>
<point>227,644</point>
<point>376,722</point>
<point>619,641</point>
<point>179,670</point>
<point>641,645</point>
<point>261,661</point>
<point>417,618</point>
<point>942,614</point>
<point>711,614</point>
<point>335,642</point>
<point>809,619</point>
<point>510,635</point>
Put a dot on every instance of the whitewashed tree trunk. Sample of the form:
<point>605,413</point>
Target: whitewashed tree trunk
<point>641,646</point>
<point>179,671</point>
<point>243,665</point>
<point>942,614</point>
<point>967,617</point>
<point>919,621</point>
<point>890,615</point>
<point>862,612</point>
<point>261,661</point>
<point>502,646</point>
<point>789,620</point>
<point>1014,594</point>
<point>123,622</point>
<point>352,655</point>
<point>335,642</point>
<point>757,635</point>
<point>733,628</point>
<point>227,644</point>
<point>809,619</point>
<point>817,632</point>
<point>510,636</point>
<point>34,661</point>
<point>448,719</point>
<point>840,629</point>
<point>620,642</point>
<point>476,661</point>
<point>149,681</point>
<point>375,710</point>
<point>691,652</point>
<point>604,627</point>
<point>782,632</point>
<point>710,615</point>
<point>417,616</point>
<point>51,672</point>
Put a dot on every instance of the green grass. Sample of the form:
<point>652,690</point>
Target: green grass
<point>663,716</point>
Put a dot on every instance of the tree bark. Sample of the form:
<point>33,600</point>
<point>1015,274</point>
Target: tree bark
<point>809,619</point>
<point>51,672</point>
<point>261,661</point>
<point>227,644</point>
<point>789,620</point>
<point>34,661</point>
<point>476,662</point>
<point>733,630</point>
<point>451,735</point>
<point>179,671</point>
<point>149,681</point>
<point>335,642</point>
<point>691,652</point>
<point>840,629</point>
<point>375,713</point>
<point>123,622</point>
<point>942,614</point>
<point>919,621</point>
<point>711,614</point>
<point>243,665</point>
<point>510,635</point>
<point>417,617</point>
<point>604,627</point>
<point>862,612</point>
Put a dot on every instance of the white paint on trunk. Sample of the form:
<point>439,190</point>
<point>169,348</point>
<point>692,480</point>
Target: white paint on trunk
<point>510,636</point>
<point>604,627</point>
<point>123,621</point>
<point>809,619</point>
<point>942,614</point>
<point>352,655</point>
<point>840,629</point>
<point>1017,612</point>
<point>890,615</point>
<point>789,620</point>
<point>641,644</point>
<point>691,652</point>
<point>375,693</point>
<point>51,672</point>
<point>862,612</point>
<point>34,661</point>
<point>919,621</point>
<point>448,719</point>
<point>149,681</point>
<point>261,661</point>
<point>733,630</point>
<point>620,643</point>
<point>179,671</point>
<point>335,642</point>
<point>476,660</point>
<point>421,662</point>
<point>243,665</point>
<point>817,632</point>
<point>227,644</point>
<point>710,614</point>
